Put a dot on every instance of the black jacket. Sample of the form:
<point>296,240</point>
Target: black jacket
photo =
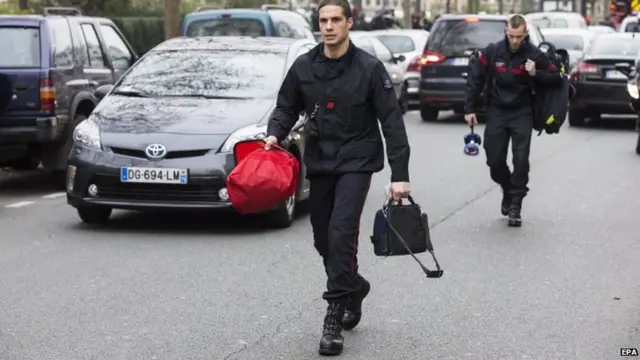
<point>511,85</point>
<point>344,135</point>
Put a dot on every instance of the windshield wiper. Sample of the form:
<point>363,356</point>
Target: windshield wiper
<point>213,97</point>
<point>130,92</point>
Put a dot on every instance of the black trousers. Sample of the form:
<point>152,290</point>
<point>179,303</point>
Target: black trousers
<point>504,125</point>
<point>336,204</point>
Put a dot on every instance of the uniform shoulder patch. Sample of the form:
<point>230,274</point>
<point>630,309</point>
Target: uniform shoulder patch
<point>386,81</point>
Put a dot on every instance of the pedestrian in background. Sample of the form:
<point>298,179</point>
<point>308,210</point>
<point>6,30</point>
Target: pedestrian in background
<point>346,90</point>
<point>509,97</point>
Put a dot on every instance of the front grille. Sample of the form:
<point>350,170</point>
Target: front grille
<point>170,154</point>
<point>204,189</point>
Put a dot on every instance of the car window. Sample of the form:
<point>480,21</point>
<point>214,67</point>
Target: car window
<point>207,73</point>
<point>290,24</point>
<point>454,37</point>
<point>560,23</point>
<point>20,47</point>
<point>227,27</point>
<point>397,43</point>
<point>608,46</point>
<point>365,44</point>
<point>567,42</point>
<point>542,23</point>
<point>118,51</point>
<point>631,26</point>
<point>94,51</point>
<point>382,52</point>
<point>63,55</point>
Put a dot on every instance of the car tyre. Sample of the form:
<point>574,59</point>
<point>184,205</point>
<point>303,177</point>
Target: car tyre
<point>427,113</point>
<point>282,217</point>
<point>577,118</point>
<point>638,145</point>
<point>94,214</point>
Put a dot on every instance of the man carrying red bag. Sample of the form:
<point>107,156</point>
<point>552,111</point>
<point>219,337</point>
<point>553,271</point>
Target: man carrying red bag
<point>346,91</point>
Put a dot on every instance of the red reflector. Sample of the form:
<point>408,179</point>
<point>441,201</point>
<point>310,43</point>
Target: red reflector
<point>225,16</point>
<point>244,148</point>
<point>330,105</point>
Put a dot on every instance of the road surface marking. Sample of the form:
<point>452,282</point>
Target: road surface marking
<point>19,204</point>
<point>54,195</point>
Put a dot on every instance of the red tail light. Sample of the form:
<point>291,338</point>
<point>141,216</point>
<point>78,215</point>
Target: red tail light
<point>414,65</point>
<point>582,68</point>
<point>47,94</point>
<point>430,58</point>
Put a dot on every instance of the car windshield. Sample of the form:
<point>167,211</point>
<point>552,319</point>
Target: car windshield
<point>205,73</point>
<point>226,27</point>
<point>397,43</point>
<point>21,47</point>
<point>610,46</point>
<point>454,37</point>
<point>567,42</point>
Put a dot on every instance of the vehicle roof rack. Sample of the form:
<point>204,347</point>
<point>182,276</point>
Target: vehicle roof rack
<point>265,7</point>
<point>209,7</point>
<point>69,11</point>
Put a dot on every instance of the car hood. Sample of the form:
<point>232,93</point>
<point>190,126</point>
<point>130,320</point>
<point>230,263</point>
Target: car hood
<point>186,116</point>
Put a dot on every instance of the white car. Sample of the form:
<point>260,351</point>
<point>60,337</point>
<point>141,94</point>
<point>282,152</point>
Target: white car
<point>409,43</point>
<point>575,41</point>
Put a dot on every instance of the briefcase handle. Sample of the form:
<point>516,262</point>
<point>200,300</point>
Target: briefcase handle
<point>430,273</point>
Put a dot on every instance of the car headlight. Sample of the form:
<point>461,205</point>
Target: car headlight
<point>251,132</point>
<point>632,89</point>
<point>87,134</point>
<point>395,77</point>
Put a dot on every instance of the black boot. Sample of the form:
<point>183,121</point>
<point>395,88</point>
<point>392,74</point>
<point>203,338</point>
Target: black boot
<point>506,201</point>
<point>353,313</point>
<point>332,341</point>
<point>514,213</point>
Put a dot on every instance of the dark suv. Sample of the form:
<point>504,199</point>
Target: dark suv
<point>50,66</point>
<point>444,63</point>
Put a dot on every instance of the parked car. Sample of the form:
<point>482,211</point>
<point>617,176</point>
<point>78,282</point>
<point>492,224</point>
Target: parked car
<point>574,41</point>
<point>557,19</point>
<point>600,88</point>
<point>633,84</point>
<point>269,20</point>
<point>601,29</point>
<point>369,43</point>
<point>445,59</point>
<point>408,43</point>
<point>51,65</point>
<point>163,136</point>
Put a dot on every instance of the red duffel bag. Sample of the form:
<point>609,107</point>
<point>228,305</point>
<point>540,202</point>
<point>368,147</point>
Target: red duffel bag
<point>262,179</point>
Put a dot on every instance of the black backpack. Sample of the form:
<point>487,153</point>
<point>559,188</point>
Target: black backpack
<point>550,103</point>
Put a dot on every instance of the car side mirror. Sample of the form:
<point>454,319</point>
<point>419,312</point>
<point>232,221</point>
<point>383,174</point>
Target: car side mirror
<point>399,58</point>
<point>624,68</point>
<point>102,91</point>
<point>545,46</point>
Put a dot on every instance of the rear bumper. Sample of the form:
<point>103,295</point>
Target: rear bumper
<point>607,98</point>
<point>442,93</point>
<point>24,130</point>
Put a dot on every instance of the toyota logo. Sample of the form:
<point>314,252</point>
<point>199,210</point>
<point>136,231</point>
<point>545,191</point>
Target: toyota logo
<point>156,151</point>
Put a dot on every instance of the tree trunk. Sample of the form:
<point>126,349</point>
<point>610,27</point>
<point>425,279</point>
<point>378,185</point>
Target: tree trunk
<point>171,19</point>
<point>406,9</point>
<point>501,6</point>
<point>23,4</point>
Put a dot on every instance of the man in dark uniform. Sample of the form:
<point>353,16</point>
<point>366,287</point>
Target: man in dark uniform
<point>348,91</point>
<point>517,64</point>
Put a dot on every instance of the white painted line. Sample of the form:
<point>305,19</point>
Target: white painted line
<point>19,204</point>
<point>54,195</point>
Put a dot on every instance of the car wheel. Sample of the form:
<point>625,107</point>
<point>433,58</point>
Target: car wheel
<point>283,216</point>
<point>638,145</point>
<point>94,214</point>
<point>577,118</point>
<point>427,113</point>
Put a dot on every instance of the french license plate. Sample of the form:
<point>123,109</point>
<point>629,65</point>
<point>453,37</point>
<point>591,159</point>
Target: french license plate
<point>461,61</point>
<point>153,175</point>
<point>615,74</point>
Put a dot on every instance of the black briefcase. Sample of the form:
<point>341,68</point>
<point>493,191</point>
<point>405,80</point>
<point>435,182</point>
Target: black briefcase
<point>403,229</point>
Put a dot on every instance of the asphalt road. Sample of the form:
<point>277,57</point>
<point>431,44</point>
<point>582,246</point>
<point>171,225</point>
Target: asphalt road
<point>564,286</point>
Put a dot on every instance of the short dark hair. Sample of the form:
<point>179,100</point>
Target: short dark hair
<point>344,4</point>
<point>517,20</point>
